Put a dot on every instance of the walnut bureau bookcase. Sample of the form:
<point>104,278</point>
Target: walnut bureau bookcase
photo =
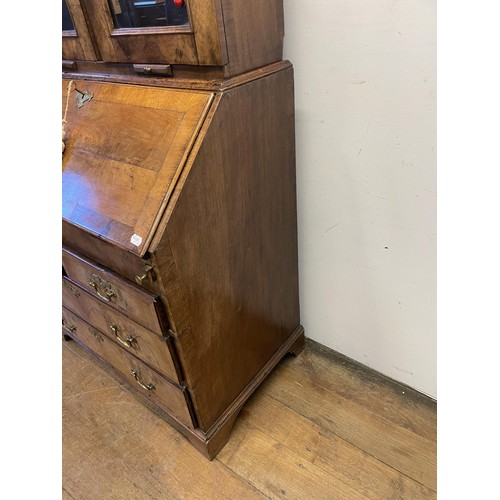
<point>179,201</point>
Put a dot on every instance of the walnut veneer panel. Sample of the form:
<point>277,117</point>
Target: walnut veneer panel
<point>141,305</point>
<point>254,34</point>
<point>228,255</point>
<point>125,149</point>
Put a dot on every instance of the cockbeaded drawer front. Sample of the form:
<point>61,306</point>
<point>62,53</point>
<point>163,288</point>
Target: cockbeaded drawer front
<point>86,334</point>
<point>154,350</point>
<point>170,397</point>
<point>138,304</point>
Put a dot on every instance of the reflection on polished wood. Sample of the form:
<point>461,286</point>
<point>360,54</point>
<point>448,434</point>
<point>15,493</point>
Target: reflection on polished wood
<point>117,187</point>
<point>319,427</point>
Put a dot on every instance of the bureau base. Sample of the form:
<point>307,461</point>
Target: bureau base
<point>211,442</point>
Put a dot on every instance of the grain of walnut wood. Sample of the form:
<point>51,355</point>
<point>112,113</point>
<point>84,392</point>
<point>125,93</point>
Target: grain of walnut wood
<point>237,264</point>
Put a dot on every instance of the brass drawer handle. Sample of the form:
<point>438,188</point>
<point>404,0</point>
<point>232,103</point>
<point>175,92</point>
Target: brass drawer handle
<point>129,342</point>
<point>140,279</point>
<point>148,387</point>
<point>97,283</point>
<point>70,329</point>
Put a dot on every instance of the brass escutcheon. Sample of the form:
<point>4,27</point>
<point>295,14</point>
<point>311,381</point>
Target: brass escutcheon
<point>82,97</point>
<point>96,335</point>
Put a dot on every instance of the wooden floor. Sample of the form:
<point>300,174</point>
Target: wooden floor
<point>320,427</point>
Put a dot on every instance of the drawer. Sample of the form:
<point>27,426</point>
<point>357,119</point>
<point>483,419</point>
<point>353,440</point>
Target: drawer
<point>170,397</point>
<point>142,306</point>
<point>154,350</point>
<point>123,263</point>
<point>76,328</point>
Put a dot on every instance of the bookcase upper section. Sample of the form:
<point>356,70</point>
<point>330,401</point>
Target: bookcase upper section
<point>233,36</point>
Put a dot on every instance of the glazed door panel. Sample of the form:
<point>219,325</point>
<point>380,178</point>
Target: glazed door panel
<point>158,31</point>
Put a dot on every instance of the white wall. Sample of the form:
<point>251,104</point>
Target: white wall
<point>365,80</point>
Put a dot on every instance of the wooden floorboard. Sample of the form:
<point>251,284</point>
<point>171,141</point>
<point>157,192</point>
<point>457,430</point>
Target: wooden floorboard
<point>320,427</point>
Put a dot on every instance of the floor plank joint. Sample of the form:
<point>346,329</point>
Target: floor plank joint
<point>320,427</point>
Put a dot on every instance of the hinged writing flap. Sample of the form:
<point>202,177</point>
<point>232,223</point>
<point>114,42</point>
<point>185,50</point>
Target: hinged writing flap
<point>124,151</point>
